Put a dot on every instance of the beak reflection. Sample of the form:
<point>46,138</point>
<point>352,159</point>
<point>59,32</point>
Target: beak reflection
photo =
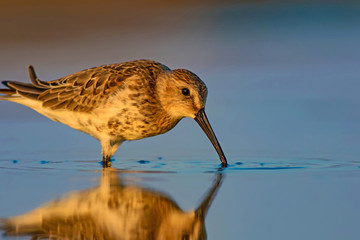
<point>113,210</point>
<point>203,208</point>
<point>204,123</point>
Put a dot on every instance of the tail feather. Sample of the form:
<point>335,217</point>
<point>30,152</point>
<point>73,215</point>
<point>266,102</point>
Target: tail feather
<point>35,80</point>
<point>7,91</point>
<point>23,87</point>
<point>29,90</point>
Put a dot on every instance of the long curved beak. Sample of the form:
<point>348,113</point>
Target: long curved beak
<point>202,120</point>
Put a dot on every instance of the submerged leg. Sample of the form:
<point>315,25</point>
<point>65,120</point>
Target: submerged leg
<point>108,149</point>
<point>106,163</point>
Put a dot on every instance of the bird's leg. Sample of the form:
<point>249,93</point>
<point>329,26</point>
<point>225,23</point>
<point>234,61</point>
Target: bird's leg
<point>106,161</point>
<point>108,149</point>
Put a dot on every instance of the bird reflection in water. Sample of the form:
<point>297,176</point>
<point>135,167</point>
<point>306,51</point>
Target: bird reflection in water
<point>114,210</point>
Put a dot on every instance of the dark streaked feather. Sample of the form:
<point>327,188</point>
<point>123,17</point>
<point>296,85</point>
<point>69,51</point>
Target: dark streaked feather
<point>87,89</point>
<point>28,95</point>
<point>61,105</point>
<point>84,90</point>
<point>51,102</point>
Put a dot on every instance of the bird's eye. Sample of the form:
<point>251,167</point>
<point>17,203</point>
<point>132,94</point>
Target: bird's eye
<point>185,91</point>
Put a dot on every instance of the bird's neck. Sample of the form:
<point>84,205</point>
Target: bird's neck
<point>166,122</point>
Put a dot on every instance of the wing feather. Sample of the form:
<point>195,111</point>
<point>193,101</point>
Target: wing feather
<point>84,90</point>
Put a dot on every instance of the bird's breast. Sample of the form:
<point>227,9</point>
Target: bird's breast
<point>130,124</point>
<point>134,113</point>
<point>136,117</point>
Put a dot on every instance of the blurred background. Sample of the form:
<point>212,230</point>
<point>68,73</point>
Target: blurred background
<point>283,76</point>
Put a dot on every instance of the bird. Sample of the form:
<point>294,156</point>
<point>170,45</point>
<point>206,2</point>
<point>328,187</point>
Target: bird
<point>118,102</point>
<point>114,210</point>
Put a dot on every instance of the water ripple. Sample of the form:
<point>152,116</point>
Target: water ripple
<point>180,165</point>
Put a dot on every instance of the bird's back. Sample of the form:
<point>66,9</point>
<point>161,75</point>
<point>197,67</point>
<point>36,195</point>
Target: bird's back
<point>84,90</point>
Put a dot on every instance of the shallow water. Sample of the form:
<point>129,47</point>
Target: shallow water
<point>260,198</point>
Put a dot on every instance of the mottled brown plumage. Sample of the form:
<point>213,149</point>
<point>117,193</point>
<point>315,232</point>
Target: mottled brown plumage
<point>118,102</point>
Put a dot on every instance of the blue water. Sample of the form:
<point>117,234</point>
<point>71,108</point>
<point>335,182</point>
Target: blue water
<point>260,197</point>
<point>283,100</point>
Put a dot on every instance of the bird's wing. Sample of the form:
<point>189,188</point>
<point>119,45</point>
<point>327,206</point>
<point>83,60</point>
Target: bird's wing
<point>84,90</point>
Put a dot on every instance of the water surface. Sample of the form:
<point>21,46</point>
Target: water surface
<point>260,198</point>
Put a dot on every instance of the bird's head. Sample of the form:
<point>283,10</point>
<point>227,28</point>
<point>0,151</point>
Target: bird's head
<point>183,94</point>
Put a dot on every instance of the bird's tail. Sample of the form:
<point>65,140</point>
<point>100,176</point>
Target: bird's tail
<point>7,91</point>
<point>29,90</point>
